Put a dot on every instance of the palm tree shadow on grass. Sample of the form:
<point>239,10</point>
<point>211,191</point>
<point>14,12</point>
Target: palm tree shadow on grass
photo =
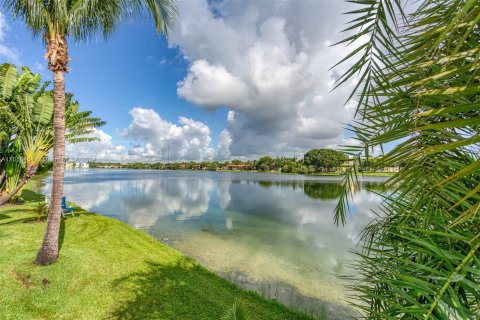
<point>78,212</point>
<point>31,219</point>
<point>184,291</point>
<point>167,292</point>
<point>30,196</point>
<point>10,213</point>
<point>26,197</point>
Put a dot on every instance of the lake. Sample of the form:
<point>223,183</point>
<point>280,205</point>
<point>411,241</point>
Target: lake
<point>270,233</point>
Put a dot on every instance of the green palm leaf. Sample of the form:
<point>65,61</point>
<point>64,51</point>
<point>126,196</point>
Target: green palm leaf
<point>419,89</point>
<point>237,312</point>
<point>8,79</point>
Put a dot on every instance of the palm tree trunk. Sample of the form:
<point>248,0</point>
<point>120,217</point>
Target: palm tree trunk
<point>3,183</point>
<point>2,176</point>
<point>48,252</point>
<point>30,173</point>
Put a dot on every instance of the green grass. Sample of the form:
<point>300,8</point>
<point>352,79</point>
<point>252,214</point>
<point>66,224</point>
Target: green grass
<point>108,270</point>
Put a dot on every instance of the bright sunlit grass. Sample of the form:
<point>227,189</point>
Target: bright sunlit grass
<point>108,270</point>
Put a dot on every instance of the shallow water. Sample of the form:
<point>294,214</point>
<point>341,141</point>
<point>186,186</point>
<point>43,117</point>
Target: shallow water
<point>270,233</point>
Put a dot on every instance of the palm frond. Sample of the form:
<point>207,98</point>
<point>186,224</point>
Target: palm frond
<point>419,88</point>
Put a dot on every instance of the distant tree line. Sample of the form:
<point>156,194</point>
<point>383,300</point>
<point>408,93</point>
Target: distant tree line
<point>314,161</point>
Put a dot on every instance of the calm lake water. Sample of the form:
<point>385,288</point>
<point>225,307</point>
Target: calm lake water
<point>270,233</point>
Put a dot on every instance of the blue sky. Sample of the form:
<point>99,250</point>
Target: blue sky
<point>234,80</point>
<point>133,67</point>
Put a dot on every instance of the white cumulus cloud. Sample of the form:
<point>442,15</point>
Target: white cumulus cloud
<point>7,53</point>
<point>269,62</point>
<point>102,149</point>
<point>161,139</point>
<point>197,86</point>
<point>223,147</point>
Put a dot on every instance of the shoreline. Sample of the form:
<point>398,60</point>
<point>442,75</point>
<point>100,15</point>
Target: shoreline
<point>296,276</point>
<point>98,254</point>
<point>325,174</point>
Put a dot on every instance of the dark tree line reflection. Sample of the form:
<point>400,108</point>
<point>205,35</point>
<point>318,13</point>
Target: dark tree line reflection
<point>321,190</point>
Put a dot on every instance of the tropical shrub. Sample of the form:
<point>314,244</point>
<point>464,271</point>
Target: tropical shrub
<point>40,210</point>
<point>236,312</point>
<point>27,128</point>
<point>26,109</point>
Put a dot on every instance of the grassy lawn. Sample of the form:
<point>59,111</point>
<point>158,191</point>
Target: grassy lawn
<point>108,270</point>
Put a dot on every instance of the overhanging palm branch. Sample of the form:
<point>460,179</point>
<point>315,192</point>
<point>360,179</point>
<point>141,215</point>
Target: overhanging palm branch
<point>80,125</point>
<point>80,19</point>
<point>419,88</point>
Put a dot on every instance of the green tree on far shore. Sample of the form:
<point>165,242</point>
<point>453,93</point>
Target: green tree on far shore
<point>324,159</point>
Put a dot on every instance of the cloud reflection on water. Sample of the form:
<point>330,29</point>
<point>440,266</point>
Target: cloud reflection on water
<point>304,208</point>
<point>263,226</point>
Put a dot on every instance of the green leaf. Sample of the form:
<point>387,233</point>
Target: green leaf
<point>8,79</point>
<point>43,109</point>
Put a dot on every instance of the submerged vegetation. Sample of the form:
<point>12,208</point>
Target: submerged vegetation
<point>419,88</point>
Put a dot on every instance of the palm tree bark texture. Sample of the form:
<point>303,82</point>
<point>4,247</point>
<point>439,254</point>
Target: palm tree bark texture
<point>57,57</point>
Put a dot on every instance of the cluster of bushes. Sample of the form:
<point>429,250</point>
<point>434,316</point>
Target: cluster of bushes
<point>315,160</point>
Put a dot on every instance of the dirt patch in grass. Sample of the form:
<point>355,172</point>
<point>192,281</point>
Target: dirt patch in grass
<point>23,279</point>
<point>45,282</point>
